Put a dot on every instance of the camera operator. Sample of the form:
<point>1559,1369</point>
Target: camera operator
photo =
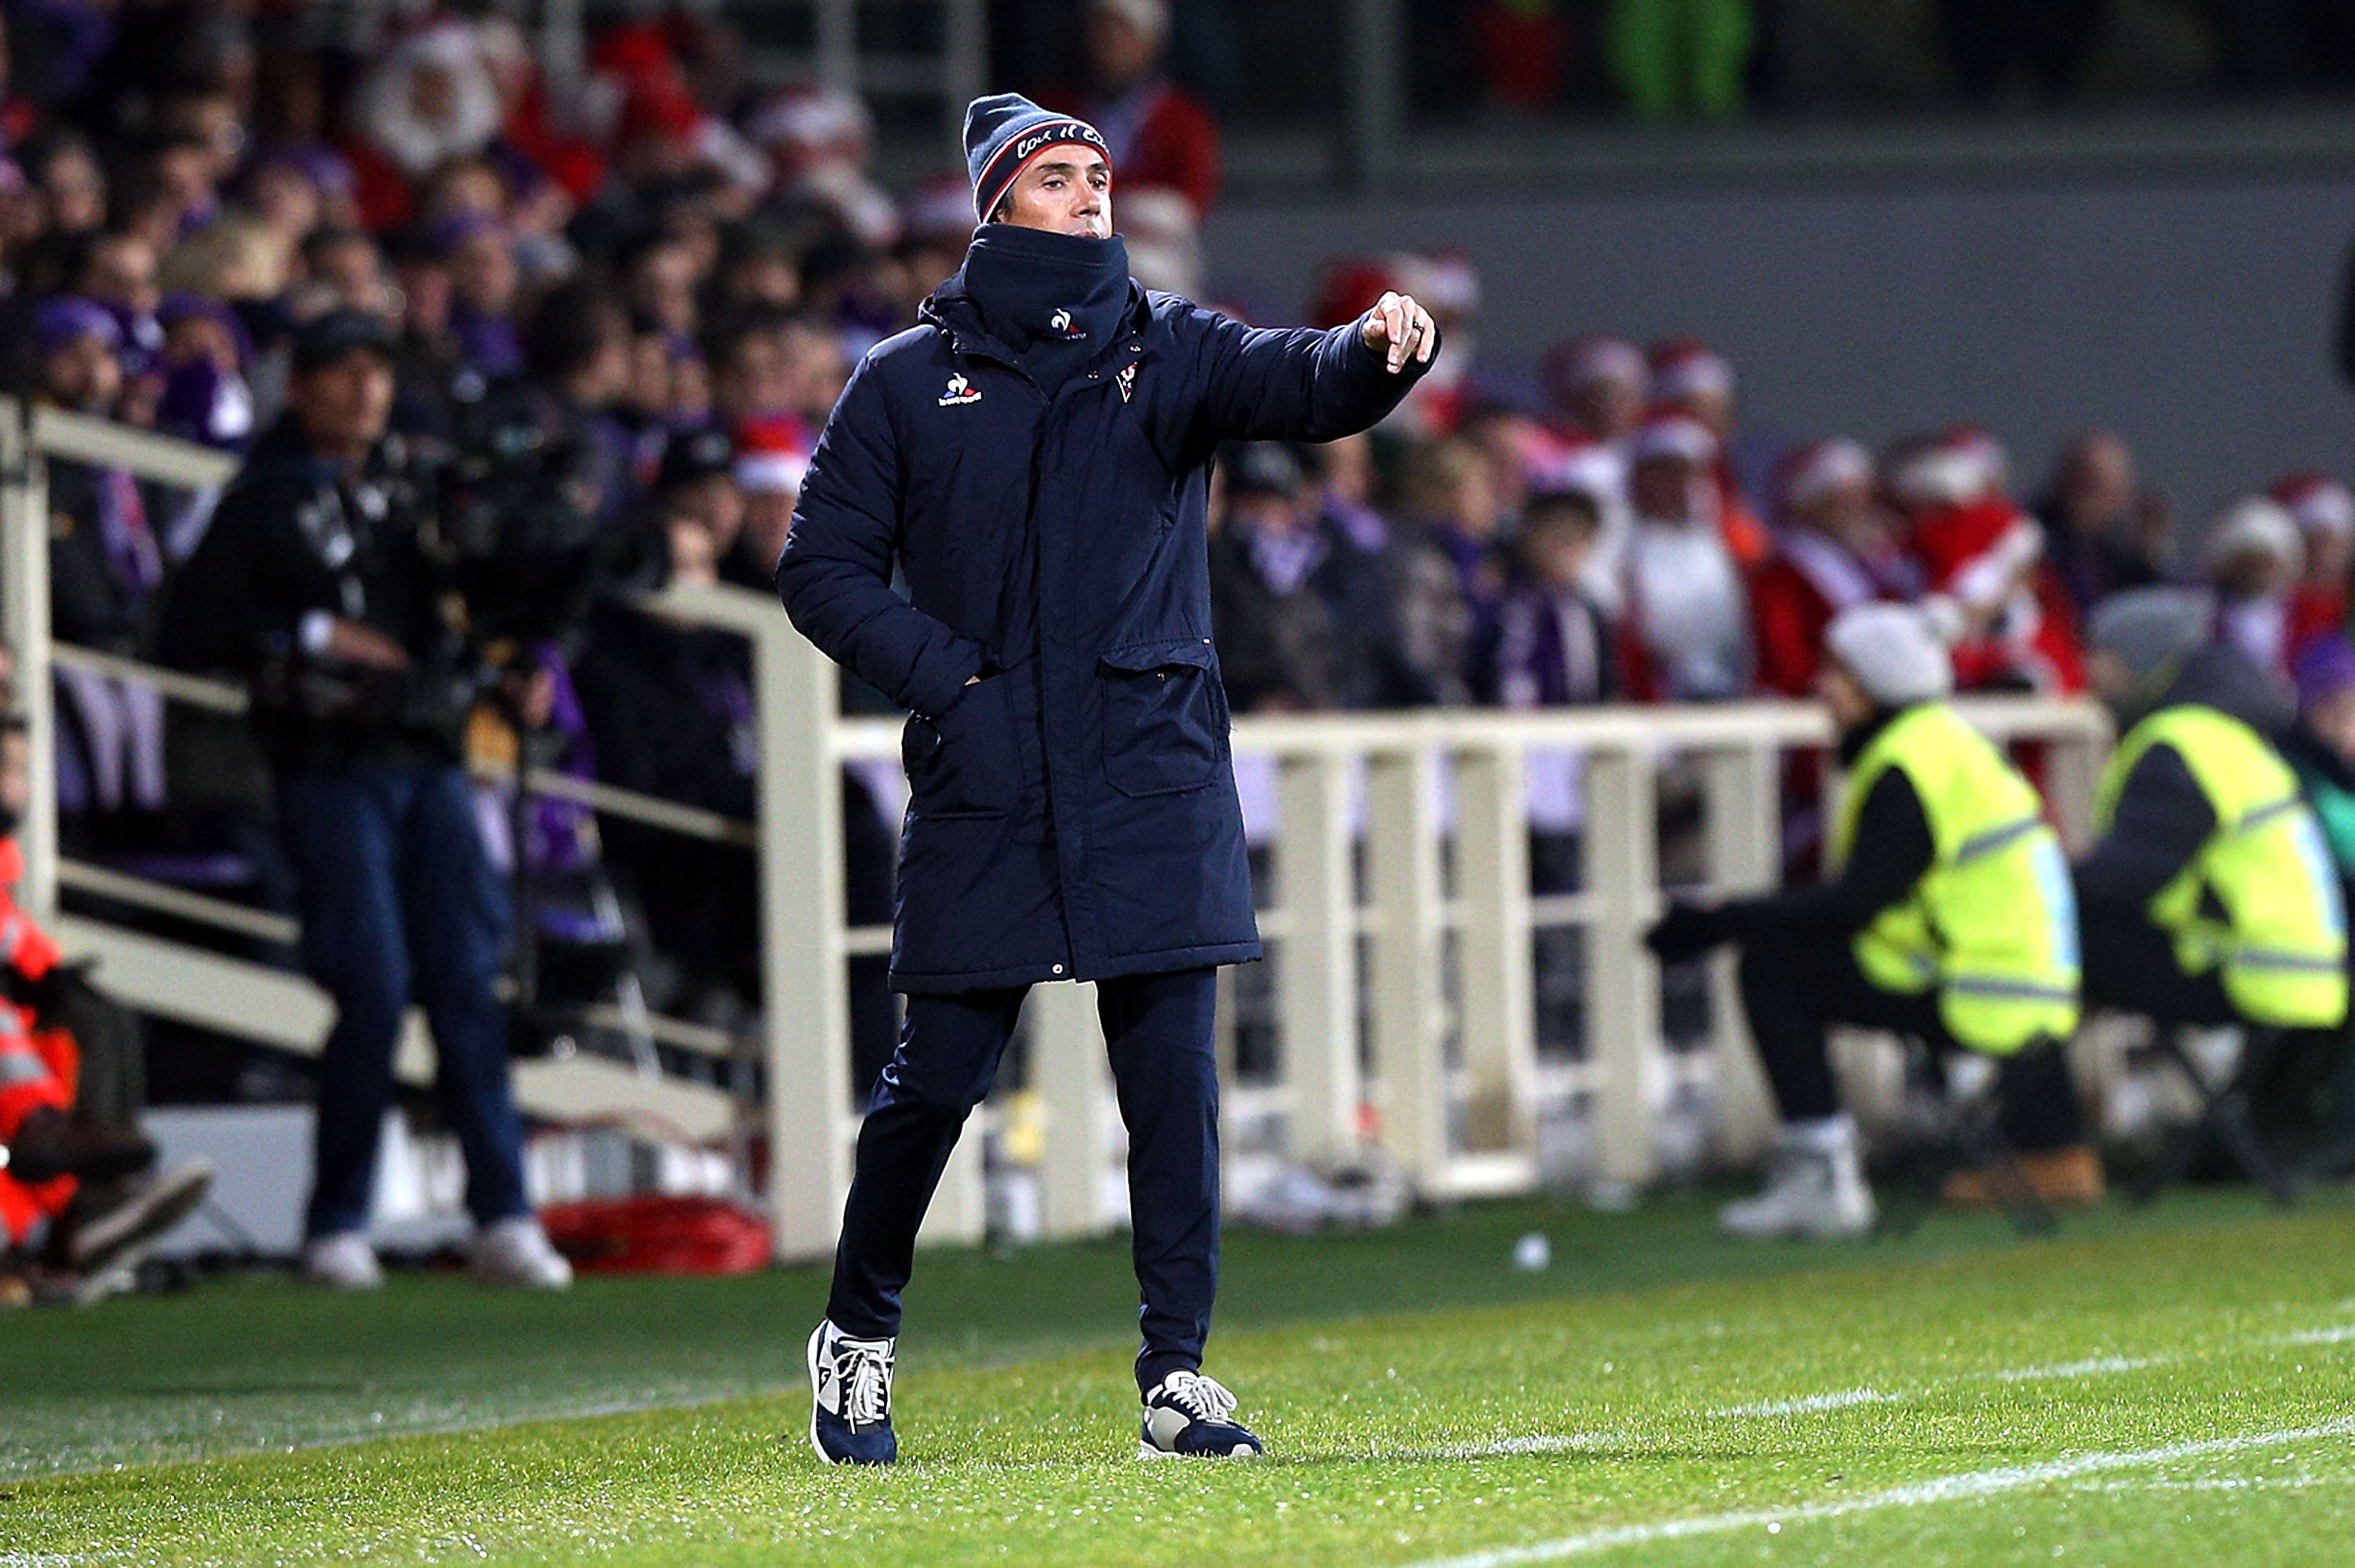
<point>318,582</point>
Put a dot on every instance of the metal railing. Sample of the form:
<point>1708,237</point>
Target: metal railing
<point>1401,930</point>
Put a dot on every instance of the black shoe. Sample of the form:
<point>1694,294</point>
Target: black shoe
<point>49,1144</point>
<point>121,1237</point>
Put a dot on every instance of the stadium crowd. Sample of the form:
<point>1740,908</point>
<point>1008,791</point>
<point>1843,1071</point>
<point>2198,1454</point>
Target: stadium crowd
<point>654,284</point>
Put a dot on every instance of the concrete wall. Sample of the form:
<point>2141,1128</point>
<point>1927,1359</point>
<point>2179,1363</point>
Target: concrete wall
<point>2193,315</point>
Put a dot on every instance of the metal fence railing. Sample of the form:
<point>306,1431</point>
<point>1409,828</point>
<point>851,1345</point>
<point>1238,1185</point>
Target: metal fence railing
<point>1400,929</point>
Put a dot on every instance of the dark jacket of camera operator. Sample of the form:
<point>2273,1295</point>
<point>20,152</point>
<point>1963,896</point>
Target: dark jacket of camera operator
<point>315,584</point>
<point>536,511</point>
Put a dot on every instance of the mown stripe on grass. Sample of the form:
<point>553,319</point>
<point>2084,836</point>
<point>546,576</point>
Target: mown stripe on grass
<point>1919,1494</point>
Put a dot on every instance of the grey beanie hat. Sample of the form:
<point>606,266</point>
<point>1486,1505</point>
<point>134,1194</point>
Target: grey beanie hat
<point>2151,631</point>
<point>1891,651</point>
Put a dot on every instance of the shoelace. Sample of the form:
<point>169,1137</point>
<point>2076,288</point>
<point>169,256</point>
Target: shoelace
<point>1200,1397</point>
<point>863,1368</point>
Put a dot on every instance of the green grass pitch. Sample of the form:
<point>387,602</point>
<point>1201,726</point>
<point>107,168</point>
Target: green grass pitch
<point>2174,1388</point>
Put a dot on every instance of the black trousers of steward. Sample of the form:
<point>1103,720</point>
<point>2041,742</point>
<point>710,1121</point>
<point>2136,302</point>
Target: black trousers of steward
<point>1795,988</point>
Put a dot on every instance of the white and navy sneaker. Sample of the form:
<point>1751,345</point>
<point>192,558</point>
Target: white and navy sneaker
<point>850,1398</point>
<point>1192,1416</point>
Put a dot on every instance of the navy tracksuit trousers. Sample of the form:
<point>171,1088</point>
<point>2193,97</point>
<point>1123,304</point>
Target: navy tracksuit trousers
<point>1157,1029</point>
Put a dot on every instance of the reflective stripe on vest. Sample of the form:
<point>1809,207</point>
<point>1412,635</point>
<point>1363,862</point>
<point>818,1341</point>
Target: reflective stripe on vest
<point>1992,924</point>
<point>2280,947</point>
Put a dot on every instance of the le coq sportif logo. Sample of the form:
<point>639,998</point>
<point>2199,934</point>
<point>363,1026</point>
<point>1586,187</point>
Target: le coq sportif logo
<point>960,391</point>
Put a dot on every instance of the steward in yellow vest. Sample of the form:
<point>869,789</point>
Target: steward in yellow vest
<point>1949,916</point>
<point>2211,898</point>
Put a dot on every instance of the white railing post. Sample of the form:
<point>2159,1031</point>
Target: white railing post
<point>1744,843</point>
<point>1402,863</point>
<point>960,1212</point>
<point>1622,983</point>
<point>1317,974</point>
<point>1069,1071</point>
<point>1499,1004</point>
<point>25,619</point>
<point>805,976</point>
<point>2072,770</point>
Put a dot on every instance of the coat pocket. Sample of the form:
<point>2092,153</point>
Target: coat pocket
<point>965,763</point>
<point>1165,716</point>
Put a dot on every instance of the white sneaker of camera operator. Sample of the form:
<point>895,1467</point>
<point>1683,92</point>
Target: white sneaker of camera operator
<point>511,1255</point>
<point>1814,1188</point>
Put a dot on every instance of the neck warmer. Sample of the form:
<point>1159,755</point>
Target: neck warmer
<point>1056,300</point>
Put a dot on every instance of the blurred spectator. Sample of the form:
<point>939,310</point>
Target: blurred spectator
<point>1833,550</point>
<point>1680,57</point>
<point>2093,518</point>
<point>2321,746</point>
<point>1358,581</point>
<point>2324,509</point>
<point>820,142</point>
<point>104,565</point>
<point>1450,491</point>
<point>1276,631</point>
<point>1157,135</point>
<point>1595,391</point>
<point>1686,631</point>
<point>2253,557</point>
<point>2006,616</point>
<point>1544,643</point>
<point>771,456</point>
<point>429,100</point>
<point>1689,377</point>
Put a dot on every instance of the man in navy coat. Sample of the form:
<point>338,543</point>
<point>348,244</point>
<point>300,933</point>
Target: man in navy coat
<point>1033,460</point>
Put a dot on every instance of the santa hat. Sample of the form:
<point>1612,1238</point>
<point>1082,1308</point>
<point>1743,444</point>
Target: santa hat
<point>812,117</point>
<point>1349,288</point>
<point>1150,17</point>
<point>1963,465</point>
<point>2252,525</point>
<point>2316,502</point>
<point>1808,474</point>
<point>771,456</point>
<point>1673,438</point>
<point>1573,365</point>
<point>1684,368</point>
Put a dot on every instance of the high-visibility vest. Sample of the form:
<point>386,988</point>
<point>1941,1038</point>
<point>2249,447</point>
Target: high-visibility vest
<point>2260,900</point>
<point>1992,924</point>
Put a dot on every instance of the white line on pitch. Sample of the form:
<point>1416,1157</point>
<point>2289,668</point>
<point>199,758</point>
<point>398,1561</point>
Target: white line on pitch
<point>1944,1489</point>
<point>1809,1405</point>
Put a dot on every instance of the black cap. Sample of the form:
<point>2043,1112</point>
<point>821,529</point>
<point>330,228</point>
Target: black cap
<point>1263,468</point>
<point>325,339</point>
<point>690,457</point>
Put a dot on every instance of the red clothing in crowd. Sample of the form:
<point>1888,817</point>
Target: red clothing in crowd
<point>2033,636</point>
<point>1160,135</point>
<point>38,1068</point>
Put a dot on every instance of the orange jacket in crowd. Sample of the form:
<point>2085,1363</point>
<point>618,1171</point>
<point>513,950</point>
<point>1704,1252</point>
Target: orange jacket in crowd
<point>38,1067</point>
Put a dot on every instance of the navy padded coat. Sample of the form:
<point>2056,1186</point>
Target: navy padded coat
<point>1073,814</point>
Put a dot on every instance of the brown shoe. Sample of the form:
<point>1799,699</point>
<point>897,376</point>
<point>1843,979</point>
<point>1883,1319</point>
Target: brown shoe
<point>2067,1178</point>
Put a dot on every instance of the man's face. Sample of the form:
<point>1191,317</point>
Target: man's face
<point>83,376</point>
<point>123,272</point>
<point>1608,408</point>
<point>345,404</point>
<point>1662,490</point>
<point>1846,699</point>
<point>1067,191</point>
<point>16,773</point>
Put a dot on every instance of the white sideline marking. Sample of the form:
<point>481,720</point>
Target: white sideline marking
<point>2098,1366</point>
<point>2338,1335</point>
<point>1506,1447</point>
<point>1810,1404</point>
<point>1944,1489</point>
